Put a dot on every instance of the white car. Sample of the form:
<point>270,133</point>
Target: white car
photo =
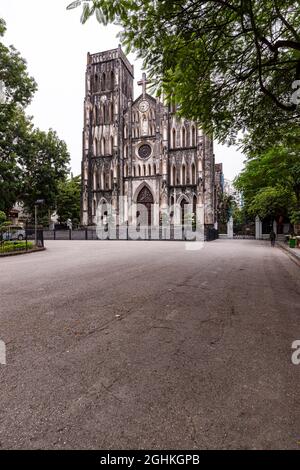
<point>13,232</point>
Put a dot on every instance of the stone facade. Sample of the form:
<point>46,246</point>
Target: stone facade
<point>139,151</point>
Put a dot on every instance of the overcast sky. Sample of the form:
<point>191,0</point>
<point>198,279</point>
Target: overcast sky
<point>55,45</point>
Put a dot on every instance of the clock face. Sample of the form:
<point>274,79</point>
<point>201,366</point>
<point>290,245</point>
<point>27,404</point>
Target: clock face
<point>143,106</point>
<point>144,151</point>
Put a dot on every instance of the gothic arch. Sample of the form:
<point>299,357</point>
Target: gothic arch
<point>193,173</point>
<point>193,136</point>
<point>183,197</point>
<point>138,190</point>
<point>95,146</point>
<point>112,79</point>
<point>111,145</point>
<point>183,174</point>
<point>174,175</point>
<point>96,83</point>
<point>183,136</point>
<point>103,82</point>
<point>103,145</point>
<point>174,138</point>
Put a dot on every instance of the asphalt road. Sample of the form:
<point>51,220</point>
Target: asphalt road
<point>116,345</point>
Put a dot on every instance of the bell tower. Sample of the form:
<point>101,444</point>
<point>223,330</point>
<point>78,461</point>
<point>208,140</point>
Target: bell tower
<point>109,90</point>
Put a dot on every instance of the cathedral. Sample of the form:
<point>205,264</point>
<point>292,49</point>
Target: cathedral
<point>139,153</point>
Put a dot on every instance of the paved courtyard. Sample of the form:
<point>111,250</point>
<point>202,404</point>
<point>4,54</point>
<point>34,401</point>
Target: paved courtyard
<point>147,345</point>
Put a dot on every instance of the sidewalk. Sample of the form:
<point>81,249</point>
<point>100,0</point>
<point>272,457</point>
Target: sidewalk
<point>294,253</point>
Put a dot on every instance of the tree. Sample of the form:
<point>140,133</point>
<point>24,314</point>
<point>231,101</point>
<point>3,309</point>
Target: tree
<point>270,181</point>
<point>15,130</point>
<point>44,167</point>
<point>2,218</point>
<point>272,202</point>
<point>68,201</point>
<point>227,204</point>
<point>32,162</point>
<point>17,89</point>
<point>231,65</point>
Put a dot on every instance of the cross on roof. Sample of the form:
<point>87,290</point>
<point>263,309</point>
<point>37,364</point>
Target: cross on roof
<point>144,83</point>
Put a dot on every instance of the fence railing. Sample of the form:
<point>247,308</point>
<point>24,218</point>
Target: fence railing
<point>125,232</point>
<point>19,240</point>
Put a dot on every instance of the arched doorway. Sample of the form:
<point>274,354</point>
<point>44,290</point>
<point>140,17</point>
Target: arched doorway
<point>182,204</point>
<point>145,198</point>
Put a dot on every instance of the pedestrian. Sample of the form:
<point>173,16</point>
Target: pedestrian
<point>272,238</point>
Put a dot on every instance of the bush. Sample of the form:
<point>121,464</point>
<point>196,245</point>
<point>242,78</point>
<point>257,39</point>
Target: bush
<point>7,247</point>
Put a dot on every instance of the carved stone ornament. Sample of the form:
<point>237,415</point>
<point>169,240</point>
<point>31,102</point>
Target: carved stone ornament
<point>144,151</point>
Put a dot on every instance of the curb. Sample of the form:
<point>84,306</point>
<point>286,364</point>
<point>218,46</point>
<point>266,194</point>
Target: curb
<point>291,255</point>
<point>16,253</point>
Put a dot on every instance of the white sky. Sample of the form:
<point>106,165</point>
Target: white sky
<point>55,45</point>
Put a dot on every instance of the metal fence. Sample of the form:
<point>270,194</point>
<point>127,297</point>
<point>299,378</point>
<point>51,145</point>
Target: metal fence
<point>125,232</point>
<point>17,240</point>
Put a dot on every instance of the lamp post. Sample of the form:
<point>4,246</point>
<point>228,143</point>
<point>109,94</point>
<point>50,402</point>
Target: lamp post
<point>37,203</point>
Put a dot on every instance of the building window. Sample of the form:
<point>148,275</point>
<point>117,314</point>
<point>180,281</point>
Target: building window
<point>174,176</point>
<point>103,82</point>
<point>193,136</point>
<point>183,175</point>
<point>193,174</point>
<point>183,137</point>
<point>174,138</point>
<point>112,80</point>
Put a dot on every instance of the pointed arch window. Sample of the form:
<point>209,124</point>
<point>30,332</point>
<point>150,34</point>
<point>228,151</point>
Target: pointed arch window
<point>112,80</point>
<point>96,83</point>
<point>111,145</point>
<point>174,138</point>
<point>102,146</point>
<point>103,82</point>
<point>193,174</point>
<point>193,136</point>
<point>183,137</point>
<point>183,174</point>
<point>174,176</point>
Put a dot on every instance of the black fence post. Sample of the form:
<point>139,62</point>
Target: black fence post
<point>26,235</point>
<point>86,234</point>
<point>70,234</point>
<point>54,234</point>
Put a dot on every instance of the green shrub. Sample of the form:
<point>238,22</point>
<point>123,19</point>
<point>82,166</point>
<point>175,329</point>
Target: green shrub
<point>9,246</point>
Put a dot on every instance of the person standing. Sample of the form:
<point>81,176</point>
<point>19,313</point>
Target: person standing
<point>272,238</point>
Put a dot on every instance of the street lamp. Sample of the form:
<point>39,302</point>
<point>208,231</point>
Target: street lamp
<point>37,203</point>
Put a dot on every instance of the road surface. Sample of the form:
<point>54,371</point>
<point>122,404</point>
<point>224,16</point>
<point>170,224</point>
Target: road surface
<point>119,345</point>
